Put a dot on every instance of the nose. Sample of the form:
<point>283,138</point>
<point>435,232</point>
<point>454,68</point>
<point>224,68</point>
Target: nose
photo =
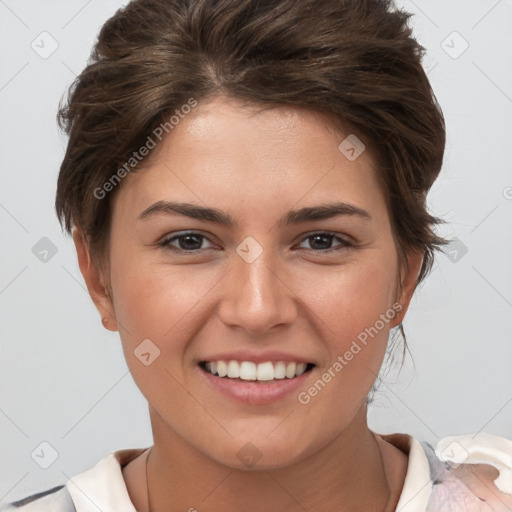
<point>257,296</point>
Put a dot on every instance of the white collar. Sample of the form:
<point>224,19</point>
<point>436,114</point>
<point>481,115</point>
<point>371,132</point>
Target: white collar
<point>102,487</point>
<point>418,483</point>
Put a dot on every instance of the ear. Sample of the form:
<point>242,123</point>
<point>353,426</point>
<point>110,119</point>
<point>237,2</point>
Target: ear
<point>409,282</point>
<point>94,281</point>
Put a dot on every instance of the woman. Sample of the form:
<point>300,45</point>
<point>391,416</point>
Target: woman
<point>245,183</point>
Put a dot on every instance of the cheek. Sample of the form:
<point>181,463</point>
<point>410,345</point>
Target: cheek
<point>163,304</point>
<point>355,334</point>
<point>158,300</point>
<point>355,311</point>
<point>353,298</point>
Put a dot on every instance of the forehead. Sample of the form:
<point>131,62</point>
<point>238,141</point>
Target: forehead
<point>225,121</point>
<point>239,153</point>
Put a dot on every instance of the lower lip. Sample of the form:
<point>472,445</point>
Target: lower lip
<point>256,392</point>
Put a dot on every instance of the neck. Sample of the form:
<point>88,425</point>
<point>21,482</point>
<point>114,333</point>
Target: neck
<point>350,473</point>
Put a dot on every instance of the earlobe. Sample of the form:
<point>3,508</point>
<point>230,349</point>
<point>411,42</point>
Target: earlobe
<point>93,281</point>
<point>409,282</point>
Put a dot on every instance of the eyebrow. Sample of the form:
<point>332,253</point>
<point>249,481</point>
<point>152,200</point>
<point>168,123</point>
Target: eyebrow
<point>292,217</point>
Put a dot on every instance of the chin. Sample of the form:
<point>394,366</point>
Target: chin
<point>259,453</point>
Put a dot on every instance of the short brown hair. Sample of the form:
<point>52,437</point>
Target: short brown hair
<point>355,61</point>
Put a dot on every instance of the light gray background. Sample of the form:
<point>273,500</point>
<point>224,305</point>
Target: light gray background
<point>63,377</point>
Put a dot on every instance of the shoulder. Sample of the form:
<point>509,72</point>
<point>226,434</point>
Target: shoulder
<point>471,472</point>
<point>56,499</point>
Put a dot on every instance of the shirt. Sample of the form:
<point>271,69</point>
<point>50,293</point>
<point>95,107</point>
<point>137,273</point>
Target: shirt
<point>437,480</point>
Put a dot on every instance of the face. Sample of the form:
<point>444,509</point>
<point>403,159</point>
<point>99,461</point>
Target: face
<point>247,281</point>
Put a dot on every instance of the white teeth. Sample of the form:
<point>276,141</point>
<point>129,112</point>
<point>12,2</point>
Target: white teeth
<point>301,368</point>
<point>233,370</point>
<point>265,371</point>
<point>290,370</point>
<point>279,370</point>
<point>247,370</point>
<point>222,369</point>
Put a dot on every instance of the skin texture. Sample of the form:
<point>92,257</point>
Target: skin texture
<point>255,165</point>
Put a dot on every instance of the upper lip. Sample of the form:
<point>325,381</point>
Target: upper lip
<point>273,356</point>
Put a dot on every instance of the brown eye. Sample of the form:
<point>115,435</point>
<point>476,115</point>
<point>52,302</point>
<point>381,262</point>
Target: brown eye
<point>321,242</point>
<point>187,242</point>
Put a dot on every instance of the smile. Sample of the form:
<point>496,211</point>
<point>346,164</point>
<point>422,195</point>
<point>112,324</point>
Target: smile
<point>250,371</point>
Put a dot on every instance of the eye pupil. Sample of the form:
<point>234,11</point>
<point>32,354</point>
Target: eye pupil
<point>186,246</point>
<point>326,238</point>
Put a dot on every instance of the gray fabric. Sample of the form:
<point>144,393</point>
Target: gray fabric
<point>57,499</point>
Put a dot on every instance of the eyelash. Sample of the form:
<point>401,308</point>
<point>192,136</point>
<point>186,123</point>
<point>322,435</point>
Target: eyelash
<point>166,242</point>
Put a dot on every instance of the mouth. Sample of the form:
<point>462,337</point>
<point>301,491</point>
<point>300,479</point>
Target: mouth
<point>249,371</point>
